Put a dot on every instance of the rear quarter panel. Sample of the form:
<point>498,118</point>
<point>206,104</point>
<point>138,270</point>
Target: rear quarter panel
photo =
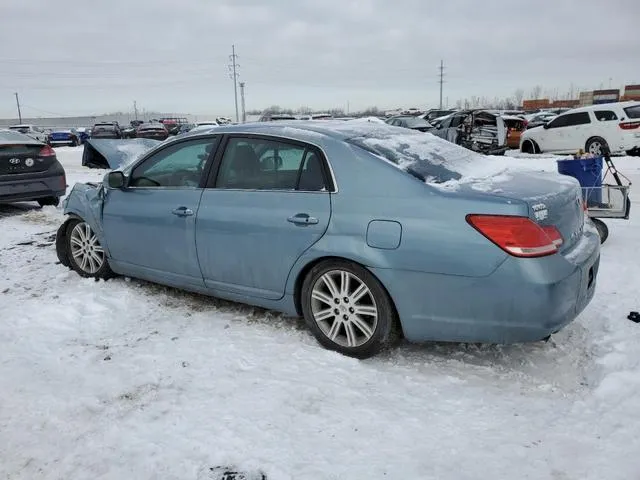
<point>435,236</point>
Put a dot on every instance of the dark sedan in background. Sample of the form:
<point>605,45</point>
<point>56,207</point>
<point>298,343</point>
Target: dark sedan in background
<point>29,170</point>
<point>155,131</point>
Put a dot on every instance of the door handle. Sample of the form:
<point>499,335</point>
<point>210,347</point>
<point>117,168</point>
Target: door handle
<point>302,219</point>
<point>182,212</point>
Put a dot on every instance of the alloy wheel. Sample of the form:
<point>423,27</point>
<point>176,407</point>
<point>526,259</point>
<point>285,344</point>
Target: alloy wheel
<point>86,250</point>
<point>344,308</point>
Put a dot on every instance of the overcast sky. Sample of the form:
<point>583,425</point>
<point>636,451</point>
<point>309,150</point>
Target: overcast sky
<point>72,57</point>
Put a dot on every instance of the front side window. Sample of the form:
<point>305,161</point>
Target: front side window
<point>259,164</point>
<point>179,165</point>
<point>559,121</point>
<point>605,115</point>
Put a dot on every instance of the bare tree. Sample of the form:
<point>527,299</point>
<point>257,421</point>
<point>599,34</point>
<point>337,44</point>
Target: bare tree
<point>518,95</point>
<point>536,92</point>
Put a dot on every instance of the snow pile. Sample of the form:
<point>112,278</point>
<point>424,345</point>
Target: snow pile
<point>123,379</point>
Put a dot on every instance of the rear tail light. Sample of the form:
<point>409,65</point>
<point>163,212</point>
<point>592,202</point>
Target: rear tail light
<point>555,236</point>
<point>629,125</point>
<point>518,236</point>
<point>47,151</point>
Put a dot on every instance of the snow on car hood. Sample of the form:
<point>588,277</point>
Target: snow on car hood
<point>112,154</point>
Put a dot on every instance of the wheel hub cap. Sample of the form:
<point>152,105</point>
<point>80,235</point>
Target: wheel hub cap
<point>85,249</point>
<point>344,308</point>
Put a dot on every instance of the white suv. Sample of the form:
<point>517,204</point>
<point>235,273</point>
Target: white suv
<point>615,125</point>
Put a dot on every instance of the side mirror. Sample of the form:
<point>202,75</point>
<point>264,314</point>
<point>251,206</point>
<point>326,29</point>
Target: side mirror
<point>545,126</point>
<point>116,180</point>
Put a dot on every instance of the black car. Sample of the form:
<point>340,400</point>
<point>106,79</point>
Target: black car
<point>29,170</point>
<point>409,121</point>
<point>434,113</point>
<point>106,130</point>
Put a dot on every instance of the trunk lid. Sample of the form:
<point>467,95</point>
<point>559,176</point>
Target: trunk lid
<point>23,159</point>
<point>552,199</point>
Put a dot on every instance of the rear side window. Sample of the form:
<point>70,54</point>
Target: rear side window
<point>605,115</point>
<point>259,164</point>
<point>633,112</point>
<point>570,119</point>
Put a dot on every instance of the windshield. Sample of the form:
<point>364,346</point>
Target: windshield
<point>414,122</point>
<point>425,156</point>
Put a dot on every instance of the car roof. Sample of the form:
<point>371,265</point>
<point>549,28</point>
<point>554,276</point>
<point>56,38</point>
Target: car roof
<point>303,129</point>
<point>588,108</point>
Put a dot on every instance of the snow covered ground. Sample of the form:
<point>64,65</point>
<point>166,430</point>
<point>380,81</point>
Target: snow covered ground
<point>128,380</point>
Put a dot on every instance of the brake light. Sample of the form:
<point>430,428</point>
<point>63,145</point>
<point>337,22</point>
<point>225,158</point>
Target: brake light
<point>518,236</point>
<point>47,151</point>
<point>629,125</point>
<point>553,233</point>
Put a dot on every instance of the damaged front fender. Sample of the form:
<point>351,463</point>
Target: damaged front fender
<point>85,202</point>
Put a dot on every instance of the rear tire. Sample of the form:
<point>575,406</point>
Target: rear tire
<point>595,145</point>
<point>602,228</point>
<point>347,309</point>
<point>49,201</point>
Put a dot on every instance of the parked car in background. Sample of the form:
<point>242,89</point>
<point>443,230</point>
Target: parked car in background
<point>33,131</point>
<point>251,213</point>
<point>84,133</point>
<point>272,117</point>
<point>407,121</point>
<point>173,124</point>
<point>106,130</point>
<point>64,137</point>
<point>185,128</point>
<point>432,114</point>
<point>515,127</point>
<point>317,116</point>
<point>540,118</point>
<point>156,131</point>
<point>29,170</point>
<point>477,130</point>
<point>615,126</point>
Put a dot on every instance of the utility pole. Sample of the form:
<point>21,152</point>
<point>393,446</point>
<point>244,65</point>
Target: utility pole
<point>244,114</point>
<point>234,75</point>
<point>441,80</point>
<point>135,110</point>
<point>19,112</point>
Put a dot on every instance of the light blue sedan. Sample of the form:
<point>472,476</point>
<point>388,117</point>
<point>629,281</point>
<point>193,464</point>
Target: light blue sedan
<point>365,230</point>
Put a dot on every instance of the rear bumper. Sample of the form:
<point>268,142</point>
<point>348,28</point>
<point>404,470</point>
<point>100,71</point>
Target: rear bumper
<point>523,300</point>
<point>33,186</point>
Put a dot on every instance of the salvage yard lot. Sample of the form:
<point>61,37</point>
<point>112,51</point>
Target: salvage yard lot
<point>124,379</point>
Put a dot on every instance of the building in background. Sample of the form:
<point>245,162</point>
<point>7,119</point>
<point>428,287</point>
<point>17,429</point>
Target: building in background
<point>606,96</point>
<point>565,104</point>
<point>585,99</point>
<point>631,92</point>
<point>536,104</point>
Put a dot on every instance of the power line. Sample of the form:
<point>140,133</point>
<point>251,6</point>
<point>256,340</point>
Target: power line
<point>234,75</point>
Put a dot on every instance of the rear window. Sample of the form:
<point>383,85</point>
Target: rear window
<point>103,128</point>
<point>605,115</point>
<point>633,112</point>
<point>413,122</point>
<point>425,156</point>
<point>152,127</point>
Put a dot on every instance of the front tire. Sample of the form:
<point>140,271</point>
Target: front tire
<point>528,146</point>
<point>347,309</point>
<point>86,255</point>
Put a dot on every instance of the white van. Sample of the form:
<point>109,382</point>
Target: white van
<point>616,125</point>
